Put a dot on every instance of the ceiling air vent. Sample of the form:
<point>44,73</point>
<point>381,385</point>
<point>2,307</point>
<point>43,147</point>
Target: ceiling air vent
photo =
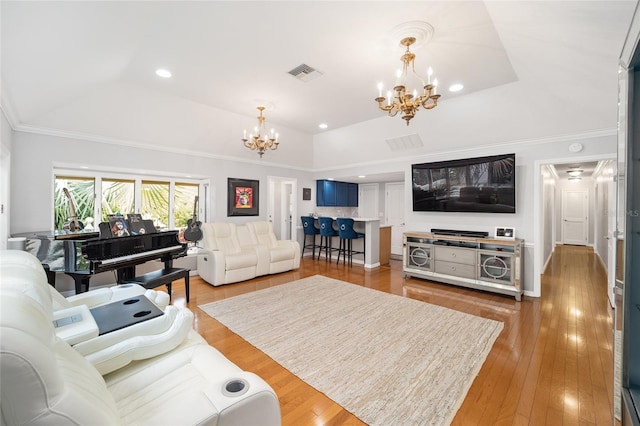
<point>305,73</point>
<point>405,142</point>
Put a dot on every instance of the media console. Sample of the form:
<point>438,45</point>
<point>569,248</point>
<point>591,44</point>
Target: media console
<point>479,263</point>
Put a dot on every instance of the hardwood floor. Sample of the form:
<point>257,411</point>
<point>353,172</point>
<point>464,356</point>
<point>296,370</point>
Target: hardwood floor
<point>552,363</point>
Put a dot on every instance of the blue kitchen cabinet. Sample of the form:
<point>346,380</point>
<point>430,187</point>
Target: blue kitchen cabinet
<point>330,193</point>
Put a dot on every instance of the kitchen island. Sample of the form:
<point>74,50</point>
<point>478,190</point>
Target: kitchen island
<point>371,229</point>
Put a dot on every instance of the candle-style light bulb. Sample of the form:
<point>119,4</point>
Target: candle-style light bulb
<point>429,74</point>
<point>415,93</point>
<point>435,86</point>
<point>398,77</point>
<point>244,134</point>
<point>380,89</point>
<point>388,97</point>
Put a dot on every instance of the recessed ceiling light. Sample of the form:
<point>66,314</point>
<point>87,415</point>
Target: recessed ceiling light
<point>362,176</point>
<point>163,73</point>
<point>576,172</point>
<point>329,178</point>
<point>456,87</point>
<point>574,178</point>
<point>323,125</point>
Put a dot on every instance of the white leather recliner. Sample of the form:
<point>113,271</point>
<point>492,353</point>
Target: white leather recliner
<point>226,260</point>
<point>45,381</point>
<point>23,273</point>
<point>282,255</point>
<point>234,253</point>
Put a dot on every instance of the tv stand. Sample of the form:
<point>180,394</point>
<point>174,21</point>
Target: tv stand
<point>479,263</point>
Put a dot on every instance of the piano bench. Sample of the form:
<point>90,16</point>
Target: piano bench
<point>160,277</point>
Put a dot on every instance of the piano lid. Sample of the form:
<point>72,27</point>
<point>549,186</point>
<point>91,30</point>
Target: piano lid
<point>107,248</point>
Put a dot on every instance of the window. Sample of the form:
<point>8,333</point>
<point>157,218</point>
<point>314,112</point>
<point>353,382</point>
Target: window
<point>183,203</point>
<point>118,196</point>
<point>166,201</point>
<point>80,199</point>
<point>155,203</point>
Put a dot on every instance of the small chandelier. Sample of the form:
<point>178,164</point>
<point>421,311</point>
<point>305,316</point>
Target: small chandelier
<point>407,102</point>
<point>260,140</point>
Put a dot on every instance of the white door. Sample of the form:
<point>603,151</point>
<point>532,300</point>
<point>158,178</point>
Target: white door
<point>394,214</point>
<point>575,217</point>
<point>368,200</point>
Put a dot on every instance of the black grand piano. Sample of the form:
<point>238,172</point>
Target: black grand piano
<point>83,255</point>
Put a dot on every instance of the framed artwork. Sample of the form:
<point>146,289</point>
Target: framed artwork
<point>306,193</point>
<point>243,196</point>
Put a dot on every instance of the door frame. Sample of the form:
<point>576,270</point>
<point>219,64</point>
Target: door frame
<point>538,231</point>
<point>275,197</point>
<point>386,208</point>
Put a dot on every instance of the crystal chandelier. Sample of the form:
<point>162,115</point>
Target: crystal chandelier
<point>260,140</point>
<point>403,100</point>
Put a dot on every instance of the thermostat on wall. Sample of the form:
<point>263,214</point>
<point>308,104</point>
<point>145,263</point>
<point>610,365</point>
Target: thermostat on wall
<point>505,233</point>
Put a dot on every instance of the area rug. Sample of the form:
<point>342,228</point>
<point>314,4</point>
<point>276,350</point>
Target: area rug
<point>387,359</point>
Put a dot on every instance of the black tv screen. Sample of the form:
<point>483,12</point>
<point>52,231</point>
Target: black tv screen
<point>483,184</point>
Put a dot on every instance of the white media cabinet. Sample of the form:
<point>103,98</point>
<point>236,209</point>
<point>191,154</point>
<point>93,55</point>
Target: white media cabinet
<point>480,263</point>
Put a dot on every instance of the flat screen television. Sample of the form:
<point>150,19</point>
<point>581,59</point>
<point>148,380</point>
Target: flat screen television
<point>482,184</point>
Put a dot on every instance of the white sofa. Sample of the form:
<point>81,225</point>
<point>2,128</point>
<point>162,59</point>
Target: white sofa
<point>233,253</point>
<point>46,381</point>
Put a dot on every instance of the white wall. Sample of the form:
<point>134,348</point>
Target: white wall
<point>527,155</point>
<point>35,155</point>
<point>6,144</point>
<point>548,213</point>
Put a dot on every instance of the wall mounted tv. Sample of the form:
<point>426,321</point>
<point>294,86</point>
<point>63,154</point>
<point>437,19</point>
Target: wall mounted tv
<point>482,184</point>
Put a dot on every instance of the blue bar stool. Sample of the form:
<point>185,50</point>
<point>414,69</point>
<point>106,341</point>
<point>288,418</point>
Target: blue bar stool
<point>310,230</point>
<point>347,235</point>
<point>326,235</point>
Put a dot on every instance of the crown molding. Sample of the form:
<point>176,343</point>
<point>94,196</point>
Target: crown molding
<point>6,105</point>
<point>121,142</point>
<point>131,144</point>
<point>631,41</point>
<point>522,142</point>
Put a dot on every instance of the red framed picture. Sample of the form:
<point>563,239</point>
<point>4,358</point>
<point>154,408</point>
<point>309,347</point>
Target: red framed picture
<point>242,197</point>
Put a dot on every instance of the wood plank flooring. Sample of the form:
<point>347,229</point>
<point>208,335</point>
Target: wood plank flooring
<point>551,365</point>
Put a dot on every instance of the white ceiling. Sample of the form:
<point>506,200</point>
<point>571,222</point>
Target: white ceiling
<point>587,167</point>
<point>88,67</point>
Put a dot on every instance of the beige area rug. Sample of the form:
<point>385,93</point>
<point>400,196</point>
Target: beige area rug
<point>387,359</point>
